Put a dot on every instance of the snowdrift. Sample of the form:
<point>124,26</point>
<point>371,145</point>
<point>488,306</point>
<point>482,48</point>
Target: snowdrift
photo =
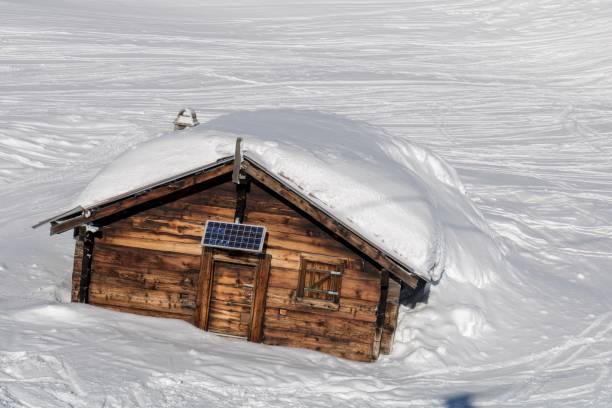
<point>398,195</point>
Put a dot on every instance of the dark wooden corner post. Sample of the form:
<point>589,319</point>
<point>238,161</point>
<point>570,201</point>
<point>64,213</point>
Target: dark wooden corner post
<point>380,312</point>
<point>242,190</point>
<point>391,316</point>
<point>81,275</point>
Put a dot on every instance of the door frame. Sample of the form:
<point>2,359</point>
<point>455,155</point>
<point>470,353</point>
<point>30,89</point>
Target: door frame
<point>261,262</point>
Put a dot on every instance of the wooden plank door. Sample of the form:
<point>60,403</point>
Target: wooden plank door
<point>231,298</point>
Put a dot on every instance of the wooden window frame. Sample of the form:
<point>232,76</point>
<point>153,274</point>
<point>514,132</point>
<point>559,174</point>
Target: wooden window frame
<point>339,265</point>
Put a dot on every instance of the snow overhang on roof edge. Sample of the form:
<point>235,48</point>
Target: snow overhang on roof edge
<point>81,211</point>
<point>304,197</point>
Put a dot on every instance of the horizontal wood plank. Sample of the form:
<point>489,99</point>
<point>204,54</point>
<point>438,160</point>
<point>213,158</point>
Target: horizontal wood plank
<point>337,347</point>
<point>220,324</point>
<point>318,325</point>
<point>152,300</point>
<point>167,281</point>
<point>348,309</point>
<point>145,259</point>
<point>156,245</point>
<point>145,312</point>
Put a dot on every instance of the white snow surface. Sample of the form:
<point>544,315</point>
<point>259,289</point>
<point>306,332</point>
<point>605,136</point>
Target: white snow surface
<point>515,96</point>
<point>399,196</point>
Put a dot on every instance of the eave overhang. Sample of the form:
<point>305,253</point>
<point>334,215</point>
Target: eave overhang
<point>80,215</point>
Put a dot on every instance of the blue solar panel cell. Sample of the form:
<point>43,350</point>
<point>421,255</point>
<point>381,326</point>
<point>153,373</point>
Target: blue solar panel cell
<point>229,235</point>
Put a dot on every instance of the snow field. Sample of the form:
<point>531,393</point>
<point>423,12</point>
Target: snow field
<point>515,96</point>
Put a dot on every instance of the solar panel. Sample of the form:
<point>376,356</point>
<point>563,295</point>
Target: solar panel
<point>242,237</point>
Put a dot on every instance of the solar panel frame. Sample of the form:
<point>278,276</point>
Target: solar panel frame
<point>233,236</point>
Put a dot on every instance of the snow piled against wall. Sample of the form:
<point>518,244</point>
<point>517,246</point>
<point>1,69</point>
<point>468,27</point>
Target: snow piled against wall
<point>399,195</point>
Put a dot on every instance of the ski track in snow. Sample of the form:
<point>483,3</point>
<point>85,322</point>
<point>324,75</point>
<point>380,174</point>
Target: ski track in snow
<point>516,96</point>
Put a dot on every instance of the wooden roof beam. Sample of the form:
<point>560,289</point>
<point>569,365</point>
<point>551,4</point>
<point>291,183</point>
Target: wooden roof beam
<point>259,174</point>
<point>160,191</point>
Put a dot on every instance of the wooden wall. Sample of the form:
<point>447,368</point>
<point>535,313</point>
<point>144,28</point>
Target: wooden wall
<point>148,263</point>
<point>77,268</point>
<point>347,332</point>
<point>391,315</point>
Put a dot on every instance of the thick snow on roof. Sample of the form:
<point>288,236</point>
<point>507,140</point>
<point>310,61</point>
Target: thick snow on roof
<point>401,197</point>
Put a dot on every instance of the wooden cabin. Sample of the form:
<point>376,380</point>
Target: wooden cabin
<point>315,283</point>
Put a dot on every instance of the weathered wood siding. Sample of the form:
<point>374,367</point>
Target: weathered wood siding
<point>231,299</point>
<point>391,314</point>
<point>77,268</point>
<point>347,332</point>
<point>149,262</point>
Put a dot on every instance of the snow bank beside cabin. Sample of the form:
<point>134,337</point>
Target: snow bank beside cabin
<point>400,196</point>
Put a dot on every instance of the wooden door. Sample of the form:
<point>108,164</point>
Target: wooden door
<point>231,298</point>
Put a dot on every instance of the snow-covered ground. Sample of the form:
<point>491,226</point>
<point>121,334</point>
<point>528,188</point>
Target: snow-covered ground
<point>516,96</point>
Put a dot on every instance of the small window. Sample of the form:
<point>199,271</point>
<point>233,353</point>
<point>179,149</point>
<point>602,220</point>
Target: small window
<point>320,279</point>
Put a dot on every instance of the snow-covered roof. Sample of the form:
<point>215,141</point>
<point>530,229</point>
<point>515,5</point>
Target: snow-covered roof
<point>392,192</point>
